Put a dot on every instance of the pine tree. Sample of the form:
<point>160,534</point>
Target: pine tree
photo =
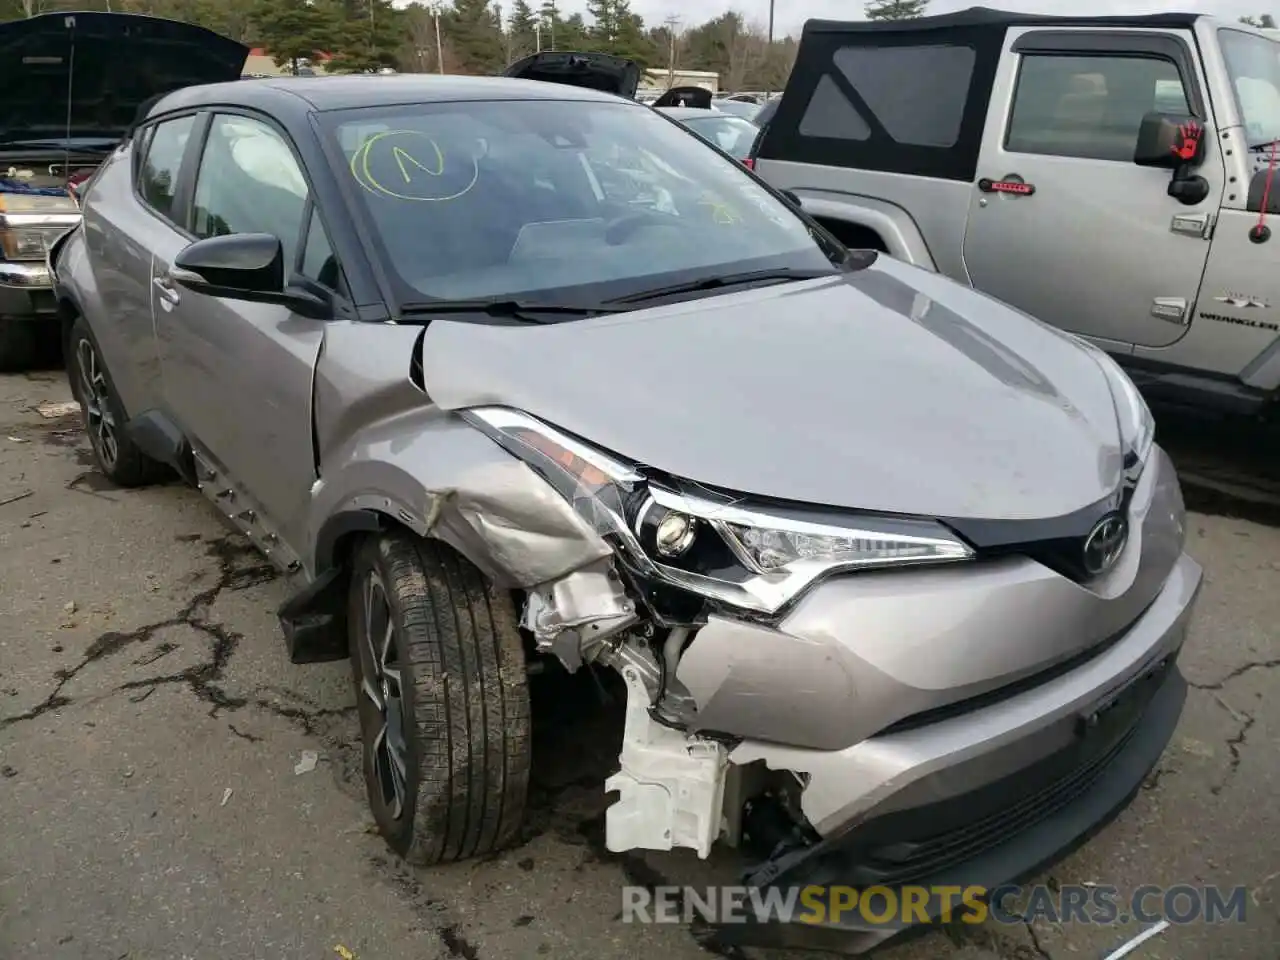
<point>292,30</point>
<point>896,9</point>
<point>476,38</point>
<point>522,30</point>
<point>573,33</point>
<point>552,24</point>
<point>370,38</point>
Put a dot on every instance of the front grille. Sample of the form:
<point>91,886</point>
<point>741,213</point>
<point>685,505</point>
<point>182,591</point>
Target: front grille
<point>909,861</point>
<point>912,845</point>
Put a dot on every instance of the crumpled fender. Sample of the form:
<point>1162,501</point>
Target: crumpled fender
<point>387,452</point>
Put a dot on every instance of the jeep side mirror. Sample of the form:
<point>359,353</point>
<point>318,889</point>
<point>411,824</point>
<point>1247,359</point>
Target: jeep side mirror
<point>244,266</point>
<point>1169,141</point>
<point>1174,141</point>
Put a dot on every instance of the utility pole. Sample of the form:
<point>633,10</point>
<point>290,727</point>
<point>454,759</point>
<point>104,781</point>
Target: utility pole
<point>672,23</point>
<point>537,36</point>
<point>771,2</point>
<point>435,10</point>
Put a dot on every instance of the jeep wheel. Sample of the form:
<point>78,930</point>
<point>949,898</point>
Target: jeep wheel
<point>20,345</point>
<point>440,680</point>
<point>116,455</point>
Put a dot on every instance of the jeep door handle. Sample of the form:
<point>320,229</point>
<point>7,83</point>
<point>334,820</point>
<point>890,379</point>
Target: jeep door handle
<point>1011,184</point>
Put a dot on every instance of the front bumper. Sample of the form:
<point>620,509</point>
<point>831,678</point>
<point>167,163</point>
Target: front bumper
<point>988,795</point>
<point>26,291</point>
<point>1037,821</point>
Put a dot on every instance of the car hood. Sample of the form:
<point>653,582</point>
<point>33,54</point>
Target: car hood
<point>106,64</point>
<point>887,389</point>
<point>598,71</point>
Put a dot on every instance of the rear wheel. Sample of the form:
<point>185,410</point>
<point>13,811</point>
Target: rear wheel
<point>117,456</point>
<point>441,687</point>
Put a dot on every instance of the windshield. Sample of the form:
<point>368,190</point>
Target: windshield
<point>733,135</point>
<point>558,201</point>
<point>1253,63</point>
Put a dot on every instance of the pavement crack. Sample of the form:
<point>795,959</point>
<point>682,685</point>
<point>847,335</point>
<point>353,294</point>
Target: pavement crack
<point>1239,671</point>
<point>1234,743</point>
<point>307,720</point>
<point>1036,945</point>
<point>252,738</point>
<point>239,568</point>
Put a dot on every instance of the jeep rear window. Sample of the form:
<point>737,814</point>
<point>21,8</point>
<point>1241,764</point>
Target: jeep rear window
<point>916,93</point>
<point>887,100</point>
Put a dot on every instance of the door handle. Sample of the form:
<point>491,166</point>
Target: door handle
<point>1010,183</point>
<point>168,293</point>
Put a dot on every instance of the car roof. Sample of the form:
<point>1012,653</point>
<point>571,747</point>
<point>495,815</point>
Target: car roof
<point>306,94</point>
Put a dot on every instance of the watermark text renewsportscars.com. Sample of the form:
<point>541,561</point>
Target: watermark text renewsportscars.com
<point>904,906</point>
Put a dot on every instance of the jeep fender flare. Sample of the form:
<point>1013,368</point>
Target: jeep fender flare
<point>894,227</point>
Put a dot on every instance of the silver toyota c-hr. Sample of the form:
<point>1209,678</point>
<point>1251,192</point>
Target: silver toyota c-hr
<point>499,369</point>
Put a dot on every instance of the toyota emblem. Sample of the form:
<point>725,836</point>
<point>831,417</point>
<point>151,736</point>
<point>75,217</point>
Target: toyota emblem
<point>1105,544</point>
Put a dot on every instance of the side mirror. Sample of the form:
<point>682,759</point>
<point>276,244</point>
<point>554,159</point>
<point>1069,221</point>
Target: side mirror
<point>244,266</point>
<point>1170,141</point>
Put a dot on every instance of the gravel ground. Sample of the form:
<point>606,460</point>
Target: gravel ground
<point>150,724</point>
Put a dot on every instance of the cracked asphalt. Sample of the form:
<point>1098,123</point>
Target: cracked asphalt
<point>150,724</point>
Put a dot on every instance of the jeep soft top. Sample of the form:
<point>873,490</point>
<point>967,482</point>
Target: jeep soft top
<point>929,121</point>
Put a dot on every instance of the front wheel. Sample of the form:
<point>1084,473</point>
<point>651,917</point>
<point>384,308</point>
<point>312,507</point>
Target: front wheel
<point>440,680</point>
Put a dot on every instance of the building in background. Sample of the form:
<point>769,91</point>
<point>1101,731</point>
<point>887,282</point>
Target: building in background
<point>260,64</point>
<point>658,80</point>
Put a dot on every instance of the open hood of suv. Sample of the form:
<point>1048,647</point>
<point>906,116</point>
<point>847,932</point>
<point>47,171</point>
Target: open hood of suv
<point>699,97</point>
<point>597,71</point>
<point>106,65</point>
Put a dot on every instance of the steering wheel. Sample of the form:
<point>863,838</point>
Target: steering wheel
<point>621,228</point>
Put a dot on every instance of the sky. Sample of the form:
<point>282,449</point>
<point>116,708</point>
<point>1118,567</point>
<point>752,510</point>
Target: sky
<point>789,15</point>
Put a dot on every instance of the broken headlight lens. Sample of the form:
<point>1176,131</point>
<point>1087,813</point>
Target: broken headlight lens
<point>718,549</point>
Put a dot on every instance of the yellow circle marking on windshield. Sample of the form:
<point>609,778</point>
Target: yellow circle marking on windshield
<point>408,163</point>
<point>721,212</point>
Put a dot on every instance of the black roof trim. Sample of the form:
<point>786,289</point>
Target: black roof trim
<point>997,19</point>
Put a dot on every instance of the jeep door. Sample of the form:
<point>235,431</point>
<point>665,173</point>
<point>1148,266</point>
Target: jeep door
<point>1093,244</point>
<point>238,375</point>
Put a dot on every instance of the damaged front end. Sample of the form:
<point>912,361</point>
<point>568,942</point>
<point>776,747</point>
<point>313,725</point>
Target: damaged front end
<point>681,556</point>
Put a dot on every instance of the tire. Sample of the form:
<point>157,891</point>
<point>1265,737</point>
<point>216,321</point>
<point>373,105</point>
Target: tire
<point>21,347</point>
<point>116,455</point>
<point>456,659</point>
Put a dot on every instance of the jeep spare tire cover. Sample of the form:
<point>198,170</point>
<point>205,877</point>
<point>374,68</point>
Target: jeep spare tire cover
<point>596,71</point>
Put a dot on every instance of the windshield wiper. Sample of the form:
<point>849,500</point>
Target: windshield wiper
<point>780,275</point>
<point>527,311</point>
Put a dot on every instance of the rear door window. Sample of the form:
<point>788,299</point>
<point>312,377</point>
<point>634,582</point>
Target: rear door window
<point>158,172</point>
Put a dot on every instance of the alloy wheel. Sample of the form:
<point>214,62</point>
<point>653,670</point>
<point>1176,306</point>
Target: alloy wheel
<point>383,696</point>
<point>95,398</point>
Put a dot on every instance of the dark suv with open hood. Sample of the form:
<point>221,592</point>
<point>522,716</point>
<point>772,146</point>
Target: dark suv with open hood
<point>73,84</point>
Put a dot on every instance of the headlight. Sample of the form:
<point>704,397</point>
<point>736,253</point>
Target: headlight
<point>28,230</point>
<point>1137,425</point>
<point>30,244</point>
<point>758,560</point>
